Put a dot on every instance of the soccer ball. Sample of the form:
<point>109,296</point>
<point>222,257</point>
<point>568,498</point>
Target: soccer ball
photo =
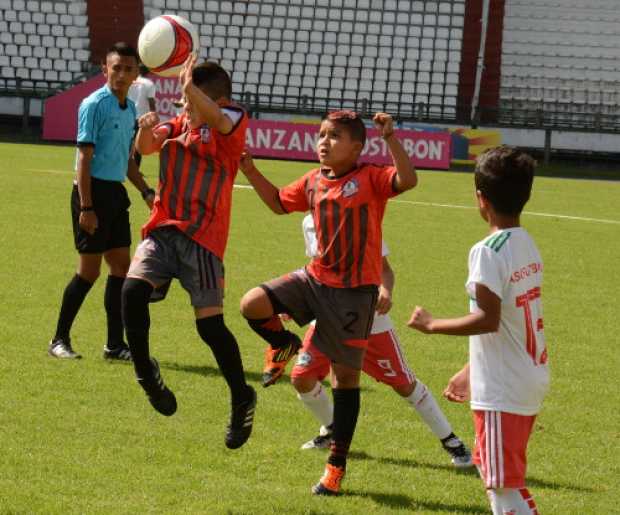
<point>165,42</point>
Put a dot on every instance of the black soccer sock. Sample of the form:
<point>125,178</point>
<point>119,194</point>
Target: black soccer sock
<point>135,308</point>
<point>112,303</point>
<point>272,330</point>
<point>346,410</point>
<point>224,346</point>
<point>72,299</point>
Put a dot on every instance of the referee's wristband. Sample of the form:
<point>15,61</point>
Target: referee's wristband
<point>83,209</point>
<point>148,192</point>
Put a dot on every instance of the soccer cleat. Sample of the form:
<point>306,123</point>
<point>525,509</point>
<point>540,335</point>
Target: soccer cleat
<point>160,397</point>
<point>330,482</point>
<point>117,352</point>
<point>241,419</point>
<point>322,441</point>
<point>61,348</point>
<point>276,360</point>
<point>461,457</point>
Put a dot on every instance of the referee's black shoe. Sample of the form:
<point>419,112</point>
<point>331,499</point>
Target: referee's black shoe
<point>241,420</point>
<point>159,395</point>
<point>61,348</point>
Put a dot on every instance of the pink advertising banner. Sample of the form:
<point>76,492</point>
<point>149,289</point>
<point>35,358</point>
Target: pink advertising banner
<point>275,139</point>
<point>297,141</point>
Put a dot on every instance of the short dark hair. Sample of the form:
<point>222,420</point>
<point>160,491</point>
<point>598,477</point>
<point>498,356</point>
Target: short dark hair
<point>212,78</point>
<point>504,176</point>
<point>351,122</point>
<point>122,48</point>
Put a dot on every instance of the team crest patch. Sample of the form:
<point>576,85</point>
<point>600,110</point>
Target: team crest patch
<point>205,134</point>
<point>304,359</point>
<point>350,188</point>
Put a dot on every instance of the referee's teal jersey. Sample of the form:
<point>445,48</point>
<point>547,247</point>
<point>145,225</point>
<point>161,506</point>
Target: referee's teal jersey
<point>102,122</point>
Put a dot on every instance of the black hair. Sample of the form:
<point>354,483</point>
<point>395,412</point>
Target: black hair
<point>213,79</point>
<point>504,175</point>
<point>122,48</point>
<point>351,122</point>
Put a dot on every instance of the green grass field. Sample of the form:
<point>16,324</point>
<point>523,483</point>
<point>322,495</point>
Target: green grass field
<point>80,437</point>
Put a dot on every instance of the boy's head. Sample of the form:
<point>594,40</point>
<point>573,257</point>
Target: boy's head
<point>120,68</point>
<point>504,177</point>
<point>212,80</point>
<point>341,140</point>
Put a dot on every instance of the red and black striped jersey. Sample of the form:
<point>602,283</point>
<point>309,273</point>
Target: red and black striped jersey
<point>197,169</point>
<point>347,213</point>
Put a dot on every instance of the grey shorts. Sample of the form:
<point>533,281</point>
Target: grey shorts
<point>168,253</point>
<point>343,315</point>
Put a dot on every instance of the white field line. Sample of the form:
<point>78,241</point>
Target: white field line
<point>415,203</point>
<point>457,206</point>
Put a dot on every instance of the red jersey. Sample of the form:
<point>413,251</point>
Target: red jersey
<point>347,213</point>
<point>197,169</point>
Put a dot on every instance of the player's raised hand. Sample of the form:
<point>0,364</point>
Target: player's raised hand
<point>421,320</point>
<point>457,389</point>
<point>148,120</point>
<point>185,75</point>
<point>384,123</point>
<point>246,164</point>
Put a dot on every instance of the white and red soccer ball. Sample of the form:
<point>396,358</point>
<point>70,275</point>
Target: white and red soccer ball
<point>165,42</point>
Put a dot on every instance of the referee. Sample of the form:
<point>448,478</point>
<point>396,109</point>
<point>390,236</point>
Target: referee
<point>99,201</point>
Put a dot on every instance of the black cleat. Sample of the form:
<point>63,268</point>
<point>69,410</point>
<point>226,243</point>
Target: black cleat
<point>160,397</point>
<point>322,441</point>
<point>119,352</point>
<point>461,457</point>
<point>241,419</point>
<point>61,348</point>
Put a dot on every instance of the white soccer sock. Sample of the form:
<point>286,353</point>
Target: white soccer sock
<point>422,400</point>
<point>512,501</point>
<point>318,402</point>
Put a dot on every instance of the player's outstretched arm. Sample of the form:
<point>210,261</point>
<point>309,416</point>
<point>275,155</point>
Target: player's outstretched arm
<point>384,301</point>
<point>406,177</point>
<point>265,189</point>
<point>149,140</point>
<point>484,320</point>
<point>207,109</point>
<point>137,179</point>
<point>457,389</point>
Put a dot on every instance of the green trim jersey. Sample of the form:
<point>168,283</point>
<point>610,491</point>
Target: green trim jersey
<point>508,368</point>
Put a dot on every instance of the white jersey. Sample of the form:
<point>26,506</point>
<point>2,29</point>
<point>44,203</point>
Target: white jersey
<point>508,368</point>
<point>381,323</point>
<point>140,91</point>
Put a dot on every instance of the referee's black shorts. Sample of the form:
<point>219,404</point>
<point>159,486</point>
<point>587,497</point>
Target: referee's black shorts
<point>111,204</point>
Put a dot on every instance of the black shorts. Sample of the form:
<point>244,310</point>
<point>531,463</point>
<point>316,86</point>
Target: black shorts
<point>111,204</point>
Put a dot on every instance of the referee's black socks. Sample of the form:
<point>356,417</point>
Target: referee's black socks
<point>112,303</point>
<point>72,299</point>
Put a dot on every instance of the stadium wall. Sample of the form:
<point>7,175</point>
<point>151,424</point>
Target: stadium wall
<point>421,71</point>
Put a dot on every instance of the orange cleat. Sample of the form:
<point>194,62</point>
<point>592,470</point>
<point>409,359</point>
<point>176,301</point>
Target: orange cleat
<point>276,360</point>
<point>330,482</point>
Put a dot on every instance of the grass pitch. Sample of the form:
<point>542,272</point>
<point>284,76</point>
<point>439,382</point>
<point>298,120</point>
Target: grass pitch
<point>80,437</point>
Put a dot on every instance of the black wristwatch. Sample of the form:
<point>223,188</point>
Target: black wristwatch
<point>83,209</point>
<point>148,192</point>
